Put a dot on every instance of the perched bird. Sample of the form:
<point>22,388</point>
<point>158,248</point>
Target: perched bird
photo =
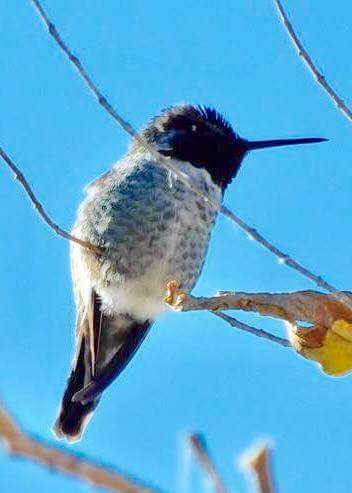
<point>152,228</point>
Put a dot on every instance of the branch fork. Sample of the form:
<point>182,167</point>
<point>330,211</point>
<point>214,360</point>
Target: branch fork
<point>319,325</point>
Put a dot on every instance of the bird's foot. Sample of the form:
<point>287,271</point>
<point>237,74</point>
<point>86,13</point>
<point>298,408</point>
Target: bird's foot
<point>175,298</point>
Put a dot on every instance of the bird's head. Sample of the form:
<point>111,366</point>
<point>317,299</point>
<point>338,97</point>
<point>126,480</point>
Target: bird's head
<point>201,136</point>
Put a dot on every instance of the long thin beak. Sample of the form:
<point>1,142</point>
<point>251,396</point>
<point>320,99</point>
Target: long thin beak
<point>263,144</point>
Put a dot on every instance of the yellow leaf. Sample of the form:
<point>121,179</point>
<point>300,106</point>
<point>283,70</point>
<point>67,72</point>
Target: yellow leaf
<point>335,354</point>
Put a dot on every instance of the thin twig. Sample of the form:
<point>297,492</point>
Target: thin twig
<point>319,77</point>
<point>102,100</point>
<point>252,330</point>
<point>199,448</point>
<point>40,209</point>
<point>257,461</point>
<point>284,258</point>
<point>318,325</point>
<point>23,445</point>
<point>273,305</point>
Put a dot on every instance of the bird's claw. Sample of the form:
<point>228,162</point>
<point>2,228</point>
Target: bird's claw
<point>174,297</point>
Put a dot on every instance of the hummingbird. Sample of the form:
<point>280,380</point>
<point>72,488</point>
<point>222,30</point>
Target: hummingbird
<point>151,228</point>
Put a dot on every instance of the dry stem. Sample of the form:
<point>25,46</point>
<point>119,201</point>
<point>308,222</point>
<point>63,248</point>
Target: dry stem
<point>257,462</point>
<point>199,448</point>
<point>319,77</point>
<point>234,322</point>
<point>318,309</point>
<point>23,445</point>
<point>40,209</point>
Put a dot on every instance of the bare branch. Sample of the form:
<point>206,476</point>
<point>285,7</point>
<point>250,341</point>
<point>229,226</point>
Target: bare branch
<point>199,448</point>
<point>284,258</point>
<point>40,209</point>
<point>180,301</point>
<point>22,445</point>
<point>311,306</point>
<point>257,461</point>
<point>102,100</point>
<point>320,310</point>
<point>252,330</point>
<point>319,77</point>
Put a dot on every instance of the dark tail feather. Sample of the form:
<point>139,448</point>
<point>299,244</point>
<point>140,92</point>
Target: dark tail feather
<point>73,416</point>
<point>104,348</point>
<point>120,346</point>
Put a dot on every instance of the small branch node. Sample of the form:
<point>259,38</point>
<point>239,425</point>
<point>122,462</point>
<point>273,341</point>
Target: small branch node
<point>74,59</point>
<point>102,100</point>
<point>52,29</point>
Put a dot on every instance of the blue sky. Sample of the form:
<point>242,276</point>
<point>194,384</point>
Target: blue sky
<point>193,372</point>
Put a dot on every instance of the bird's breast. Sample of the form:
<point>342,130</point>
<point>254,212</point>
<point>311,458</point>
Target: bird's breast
<point>154,229</point>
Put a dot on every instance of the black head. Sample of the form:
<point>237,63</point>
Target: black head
<point>201,136</point>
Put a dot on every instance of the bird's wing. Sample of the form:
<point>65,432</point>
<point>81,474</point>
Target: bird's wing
<point>113,340</point>
<point>104,346</point>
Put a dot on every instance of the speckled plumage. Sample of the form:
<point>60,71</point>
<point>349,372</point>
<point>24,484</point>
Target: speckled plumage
<point>152,228</point>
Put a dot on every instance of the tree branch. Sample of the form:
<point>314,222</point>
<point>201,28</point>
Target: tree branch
<point>103,101</point>
<point>319,310</point>
<point>40,209</point>
<point>199,448</point>
<point>319,77</point>
<point>298,305</point>
<point>180,301</point>
<point>22,445</point>
<point>234,322</point>
<point>283,258</point>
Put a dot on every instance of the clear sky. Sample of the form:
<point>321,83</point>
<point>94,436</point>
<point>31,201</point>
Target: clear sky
<point>193,372</point>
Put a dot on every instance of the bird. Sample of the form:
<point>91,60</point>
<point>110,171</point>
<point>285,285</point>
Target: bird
<point>151,227</point>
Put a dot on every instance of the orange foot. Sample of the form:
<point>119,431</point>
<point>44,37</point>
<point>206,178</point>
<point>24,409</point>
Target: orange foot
<point>174,297</point>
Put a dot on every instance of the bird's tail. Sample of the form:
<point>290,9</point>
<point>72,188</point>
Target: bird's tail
<point>105,345</point>
<point>73,416</point>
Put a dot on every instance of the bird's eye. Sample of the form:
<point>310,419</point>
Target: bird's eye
<point>194,128</point>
